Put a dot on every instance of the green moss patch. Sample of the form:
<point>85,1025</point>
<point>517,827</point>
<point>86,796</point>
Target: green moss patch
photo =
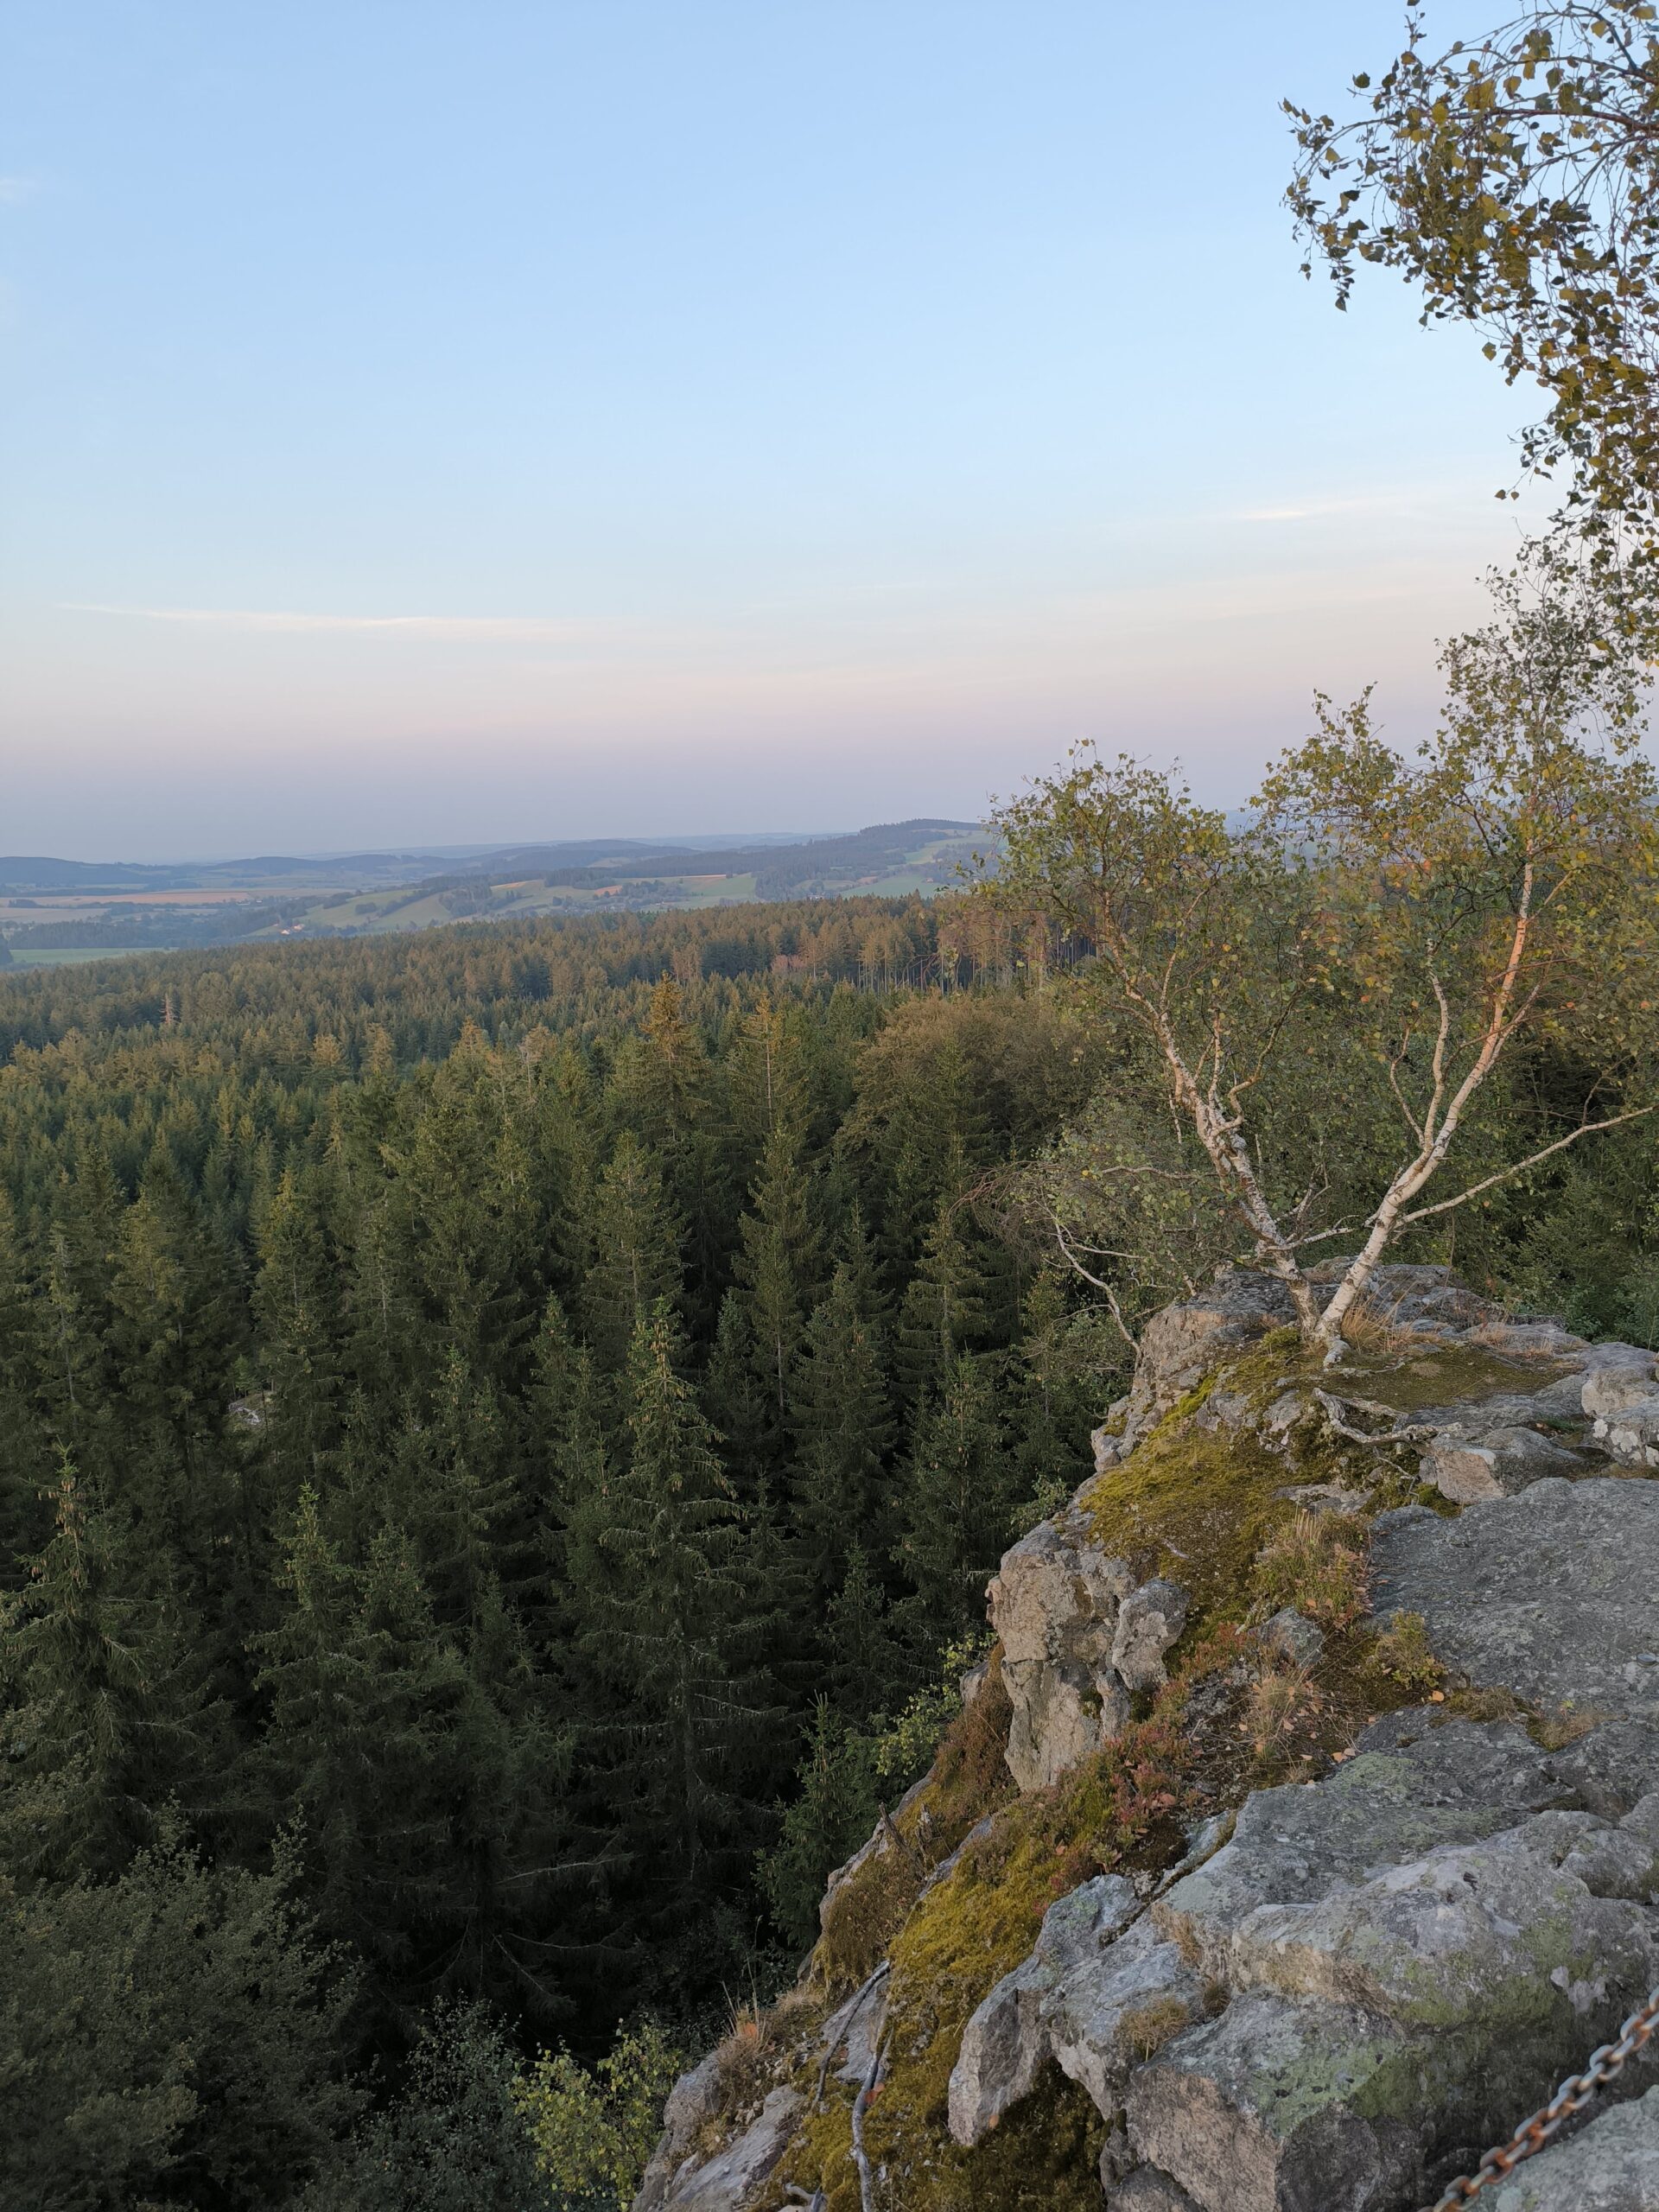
<point>1197,1505</point>
<point>1437,1377</point>
<point>969,1778</point>
<point>1125,1807</point>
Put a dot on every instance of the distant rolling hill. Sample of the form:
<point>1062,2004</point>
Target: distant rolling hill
<point>54,910</point>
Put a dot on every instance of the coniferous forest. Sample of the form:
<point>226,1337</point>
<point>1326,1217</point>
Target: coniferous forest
<point>505,1435</point>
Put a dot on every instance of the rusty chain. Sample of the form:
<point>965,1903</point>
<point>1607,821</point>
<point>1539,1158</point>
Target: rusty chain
<point>1577,2091</point>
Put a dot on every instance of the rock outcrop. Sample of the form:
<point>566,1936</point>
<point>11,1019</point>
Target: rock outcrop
<point>1077,1636</point>
<point>1349,1981</point>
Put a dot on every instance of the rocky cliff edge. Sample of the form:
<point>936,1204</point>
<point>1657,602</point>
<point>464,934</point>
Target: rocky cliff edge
<point>1301,1831</point>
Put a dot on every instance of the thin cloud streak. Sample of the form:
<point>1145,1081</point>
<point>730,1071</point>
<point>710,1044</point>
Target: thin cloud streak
<point>506,628</point>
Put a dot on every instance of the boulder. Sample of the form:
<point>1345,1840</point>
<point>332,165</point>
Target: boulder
<point>1076,1635</point>
<point>1145,2190</point>
<point>1148,1621</point>
<point>728,2182</point>
<point>1292,1636</point>
<point>1528,1339</point>
<point>1552,1594</point>
<point>1262,2111</point>
<point>693,2099</point>
<point>1054,1603</point>
<point>1181,1345</point>
<point>1630,1438</point>
<point>1611,1385</point>
<point>1503,1461</point>
<point>1005,2042</point>
<point>1375,1970</point>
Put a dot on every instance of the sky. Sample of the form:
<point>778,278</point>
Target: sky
<point>433,424</point>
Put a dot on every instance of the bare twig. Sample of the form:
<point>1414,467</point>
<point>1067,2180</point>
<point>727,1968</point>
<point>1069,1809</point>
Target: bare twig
<point>902,1842</point>
<point>871,2083</point>
<point>1584,1129</point>
<point>853,2011</point>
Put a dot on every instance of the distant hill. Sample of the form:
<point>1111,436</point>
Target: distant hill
<point>52,910</point>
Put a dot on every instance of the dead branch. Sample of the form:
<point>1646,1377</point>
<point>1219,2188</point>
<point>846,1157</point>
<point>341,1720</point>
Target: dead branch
<point>868,2088</point>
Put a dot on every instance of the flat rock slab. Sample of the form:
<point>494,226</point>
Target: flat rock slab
<point>1552,1594</point>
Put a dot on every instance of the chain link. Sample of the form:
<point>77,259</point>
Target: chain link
<point>1574,2094</point>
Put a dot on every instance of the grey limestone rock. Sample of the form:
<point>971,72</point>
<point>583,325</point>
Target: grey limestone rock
<point>1554,1594</point>
<point>693,2099</point>
<point>1529,1339</point>
<point>728,2182</point>
<point>1294,1637</point>
<point>1077,1636</point>
<point>1006,2042</point>
<point>1611,2166</point>
<point>1407,1955</point>
<point>1501,1462</point>
<point>1611,1385</point>
<point>1180,1346</point>
<point>1145,2190</point>
<point>1261,2110</point>
<point>1631,1437</point>
<point>1148,1621</point>
<point>1054,1605</point>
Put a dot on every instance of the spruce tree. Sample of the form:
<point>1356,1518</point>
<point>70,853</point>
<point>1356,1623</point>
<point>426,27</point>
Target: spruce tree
<point>778,1265</point>
<point>946,1308</point>
<point>637,1240</point>
<point>842,1430</point>
<point>674,1628</point>
<point>959,1487</point>
<point>103,1716</point>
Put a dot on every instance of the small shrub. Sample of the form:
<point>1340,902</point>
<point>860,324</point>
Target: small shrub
<point>903,1745</point>
<point>1554,1731</point>
<point>594,2133</point>
<point>1403,1654</point>
<point>1149,2027</point>
<point>1278,1703</point>
<point>1317,1565</point>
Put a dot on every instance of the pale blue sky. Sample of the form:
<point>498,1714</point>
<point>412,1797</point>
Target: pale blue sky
<point>429,423</point>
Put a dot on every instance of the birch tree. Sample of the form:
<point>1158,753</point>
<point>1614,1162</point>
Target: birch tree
<point>1415,921</point>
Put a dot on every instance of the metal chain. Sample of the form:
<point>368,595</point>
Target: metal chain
<point>1577,2091</point>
